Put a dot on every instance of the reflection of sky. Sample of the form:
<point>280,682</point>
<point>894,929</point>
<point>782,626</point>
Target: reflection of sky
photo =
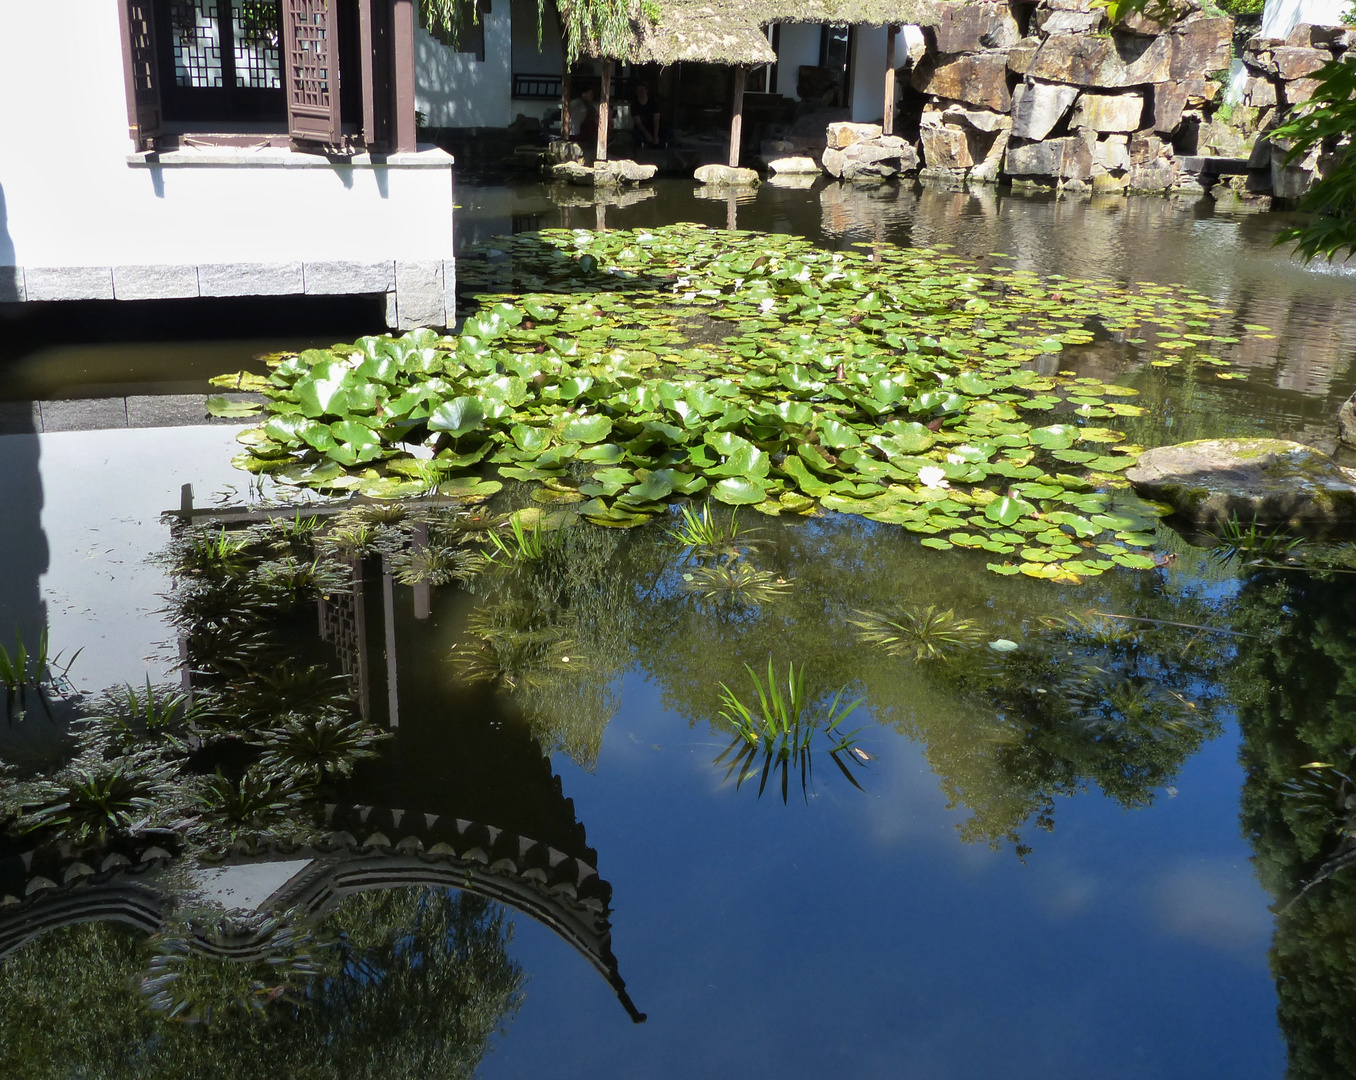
<point>859,937</point>
<point>102,493</point>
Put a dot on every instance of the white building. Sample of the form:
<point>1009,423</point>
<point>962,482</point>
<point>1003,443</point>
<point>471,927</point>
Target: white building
<point>185,148</point>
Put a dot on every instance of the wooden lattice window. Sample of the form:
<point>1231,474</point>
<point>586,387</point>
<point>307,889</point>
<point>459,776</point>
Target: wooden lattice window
<point>335,72</point>
<point>311,34</point>
<point>139,69</point>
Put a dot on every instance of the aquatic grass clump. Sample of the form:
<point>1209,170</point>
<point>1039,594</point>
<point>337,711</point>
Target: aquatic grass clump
<point>703,534</point>
<point>94,797</point>
<point>897,387</point>
<point>128,716</point>
<point>23,670</point>
<point>314,750</point>
<point>776,726</point>
<point>919,633</point>
<point>735,581</point>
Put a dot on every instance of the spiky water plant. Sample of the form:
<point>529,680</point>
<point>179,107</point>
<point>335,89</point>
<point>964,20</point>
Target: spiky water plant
<point>919,633</point>
<point>207,553</point>
<point>253,801</point>
<point>22,670</point>
<point>94,797</point>
<point>736,581</point>
<point>436,564</point>
<point>316,750</point>
<point>128,716</point>
<point>350,540</point>
<point>516,644</point>
<point>522,545</point>
<point>1254,544</point>
<point>776,726</point>
<point>705,535</point>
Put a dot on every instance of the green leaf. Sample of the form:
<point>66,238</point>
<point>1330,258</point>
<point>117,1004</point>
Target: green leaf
<point>458,417</point>
<point>220,405</point>
<point>739,492</point>
<point>587,429</point>
<point>1007,510</point>
<point>835,434</point>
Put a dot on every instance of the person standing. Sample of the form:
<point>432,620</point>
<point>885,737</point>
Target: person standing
<point>645,118</point>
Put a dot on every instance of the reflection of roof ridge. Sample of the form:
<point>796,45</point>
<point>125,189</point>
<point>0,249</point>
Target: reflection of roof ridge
<point>563,892</point>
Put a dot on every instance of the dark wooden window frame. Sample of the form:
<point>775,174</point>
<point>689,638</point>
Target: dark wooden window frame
<point>374,40</point>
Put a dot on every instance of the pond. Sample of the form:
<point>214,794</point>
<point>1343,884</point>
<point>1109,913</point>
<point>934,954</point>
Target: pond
<point>513,802</point>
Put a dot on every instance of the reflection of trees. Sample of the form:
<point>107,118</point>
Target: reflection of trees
<point>418,981</point>
<point>1295,684</point>
<point>1118,706</point>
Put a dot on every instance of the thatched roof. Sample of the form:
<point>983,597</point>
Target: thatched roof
<point>702,31</point>
<point>844,12</point>
<point>729,32</point>
<point>692,31</point>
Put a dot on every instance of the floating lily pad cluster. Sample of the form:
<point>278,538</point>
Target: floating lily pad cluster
<point>622,369</point>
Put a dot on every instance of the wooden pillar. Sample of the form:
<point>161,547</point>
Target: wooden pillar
<point>888,126</point>
<point>565,99</point>
<point>731,211</point>
<point>604,112</point>
<point>737,115</point>
<point>402,78</point>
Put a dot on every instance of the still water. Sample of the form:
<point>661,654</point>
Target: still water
<point>1061,860</point>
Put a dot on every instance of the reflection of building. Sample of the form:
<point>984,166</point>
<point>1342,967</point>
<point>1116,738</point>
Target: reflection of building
<point>483,810</point>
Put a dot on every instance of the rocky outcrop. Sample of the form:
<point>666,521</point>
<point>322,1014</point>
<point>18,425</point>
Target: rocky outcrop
<point>725,176</point>
<point>1268,481</point>
<point>861,154</point>
<point>603,173</point>
<point>1049,92</point>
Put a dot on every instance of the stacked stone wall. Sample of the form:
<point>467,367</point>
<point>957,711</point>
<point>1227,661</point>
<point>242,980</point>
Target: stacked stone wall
<point>1048,93</point>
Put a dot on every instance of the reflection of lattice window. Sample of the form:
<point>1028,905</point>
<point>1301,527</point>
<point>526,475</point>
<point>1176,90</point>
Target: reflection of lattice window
<point>469,35</point>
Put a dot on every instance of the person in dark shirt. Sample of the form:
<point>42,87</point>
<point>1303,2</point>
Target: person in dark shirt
<point>645,117</point>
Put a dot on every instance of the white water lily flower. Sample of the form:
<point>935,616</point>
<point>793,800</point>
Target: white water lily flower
<point>954,459</point>
<point>767,305</point>
<point>932,477</point>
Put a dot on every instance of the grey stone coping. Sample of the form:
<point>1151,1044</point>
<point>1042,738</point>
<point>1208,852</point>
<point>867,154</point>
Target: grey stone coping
<point>274,157</point>
<point>101,414</point>
<point>171,282</point>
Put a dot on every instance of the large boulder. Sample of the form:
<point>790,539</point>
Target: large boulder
<point>1200,46</point>
<point>622,171</point>
<point>573,172</point>
<point>1109,112</point>
<point>1038,106</point>
<point>797,164</point>
<point>725,176</point>
<point>980,79</point>
<point>1083,60</point>
<point>946,147</point>
<point>1269,481</point>
<point>843,134</point>
<point>971,28</point>
<point>1346,422</point>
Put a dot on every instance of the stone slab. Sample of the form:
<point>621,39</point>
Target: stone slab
<point>68,282</point>
<point>1109,112</point>
<point>92,414</point>
<point>978,79</point>
<point>842,134</point>
<point>784,166</point>
<point>246,886</point>
<point>727,176</point>
<point>421,298</point>
<point>1038,106</point>
<point>154,282</point>
<point>348,278</point>
<point>250,279</point>
<point>168,410</point>
<point>1268,481</point>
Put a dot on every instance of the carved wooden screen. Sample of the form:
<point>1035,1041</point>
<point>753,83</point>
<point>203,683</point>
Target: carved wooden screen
<point>139,70</point>
<point>311,45</point>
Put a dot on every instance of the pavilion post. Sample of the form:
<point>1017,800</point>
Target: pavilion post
<point>737,116</point>
<point>888,124</point>
<point>604,112</point>
<point>565,100</point>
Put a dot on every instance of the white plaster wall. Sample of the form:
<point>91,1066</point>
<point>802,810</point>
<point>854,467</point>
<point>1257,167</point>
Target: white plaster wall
<point>868,73</point>
<point>455,89</point>
<point>531,58</point>
<point>70,197</point>
<point>799,45</point>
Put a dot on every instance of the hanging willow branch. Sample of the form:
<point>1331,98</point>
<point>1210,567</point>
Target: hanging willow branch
<point>593,27</point>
